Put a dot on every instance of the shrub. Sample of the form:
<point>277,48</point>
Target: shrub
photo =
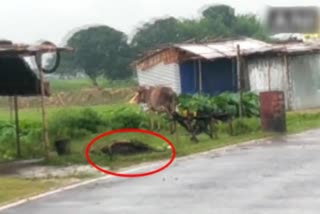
<point>226,102</point>
<point>128,118</point>
<point>30,139</point>
<point>75,124</point>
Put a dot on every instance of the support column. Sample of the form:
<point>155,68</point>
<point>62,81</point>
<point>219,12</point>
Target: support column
<point>44,113</point>
<point>239,75</point>
<point>200,76</point>
<point>16,113</point>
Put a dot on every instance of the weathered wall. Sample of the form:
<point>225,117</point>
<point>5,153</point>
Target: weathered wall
<point>161,74</point>
<point>305,76</point>
<point>267,73</point>
<point>302,90</point>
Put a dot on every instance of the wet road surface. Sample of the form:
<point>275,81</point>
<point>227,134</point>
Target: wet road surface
<point>279,176</point>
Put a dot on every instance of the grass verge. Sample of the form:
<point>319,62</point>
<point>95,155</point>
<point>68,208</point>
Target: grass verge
<point>245,131</point>
<point>13,189</point>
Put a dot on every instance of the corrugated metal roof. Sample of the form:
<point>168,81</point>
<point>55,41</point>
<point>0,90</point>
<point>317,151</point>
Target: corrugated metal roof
<point>302,47</point>
<point>9,48</point>
<point>228,49</point>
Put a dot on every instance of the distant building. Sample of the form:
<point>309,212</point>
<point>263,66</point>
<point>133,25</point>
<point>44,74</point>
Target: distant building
<point>211,68</point>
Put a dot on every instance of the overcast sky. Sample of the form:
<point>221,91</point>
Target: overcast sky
<point>31,20</point>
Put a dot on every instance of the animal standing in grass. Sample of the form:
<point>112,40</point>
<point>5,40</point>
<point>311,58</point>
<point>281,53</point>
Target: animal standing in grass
<point>159,99</point>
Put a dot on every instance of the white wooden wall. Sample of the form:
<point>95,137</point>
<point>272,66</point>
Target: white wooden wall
<point>161,74</point>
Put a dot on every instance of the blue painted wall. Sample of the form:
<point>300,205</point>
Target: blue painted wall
<point>189,78</point>
<point>217,77</point>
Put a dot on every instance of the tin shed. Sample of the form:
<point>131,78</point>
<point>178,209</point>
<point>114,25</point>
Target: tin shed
<point>211,68</point>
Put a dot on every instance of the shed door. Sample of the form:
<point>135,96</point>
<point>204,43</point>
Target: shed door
<point>189,77</point>
<point>218,76</point>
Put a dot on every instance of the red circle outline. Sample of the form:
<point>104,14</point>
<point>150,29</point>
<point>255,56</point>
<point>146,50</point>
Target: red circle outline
<point>124,131</point>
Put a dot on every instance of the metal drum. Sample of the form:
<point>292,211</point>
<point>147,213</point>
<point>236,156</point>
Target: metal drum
<point>273,111</point>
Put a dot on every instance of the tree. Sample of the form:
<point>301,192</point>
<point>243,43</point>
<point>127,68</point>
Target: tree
<point>151,35</point>
<point>220,13</point>
<point>101,50</point>
<point>249,25</point>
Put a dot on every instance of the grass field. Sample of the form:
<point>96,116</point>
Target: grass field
<point>35,114</point>
<point>78,84</point>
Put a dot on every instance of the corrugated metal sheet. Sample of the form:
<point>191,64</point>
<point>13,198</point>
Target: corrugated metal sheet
<point>161,74</point>
<point>305,75</point>
<point>267,73</point>
<point>9,48</point>
<point>228,49</point>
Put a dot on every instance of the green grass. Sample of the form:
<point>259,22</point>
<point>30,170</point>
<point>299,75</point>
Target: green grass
<point>12,189</point>
<point>295,123</point>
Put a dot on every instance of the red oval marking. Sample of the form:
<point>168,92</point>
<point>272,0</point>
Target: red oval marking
<point>124,131</point>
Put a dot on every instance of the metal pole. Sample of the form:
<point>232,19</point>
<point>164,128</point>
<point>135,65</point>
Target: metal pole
<point>239,74</point>
<point>200,76</point>
<point>44,113</point>
<point>16,111</point>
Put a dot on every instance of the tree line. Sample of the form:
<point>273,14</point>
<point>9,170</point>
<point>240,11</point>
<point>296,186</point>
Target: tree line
<point>105,51</point>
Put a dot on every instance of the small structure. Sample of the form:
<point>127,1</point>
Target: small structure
<point>231,65</point>
<point>17,78</point>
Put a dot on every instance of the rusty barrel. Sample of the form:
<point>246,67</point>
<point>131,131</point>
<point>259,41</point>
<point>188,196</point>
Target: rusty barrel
<point>273,111</point>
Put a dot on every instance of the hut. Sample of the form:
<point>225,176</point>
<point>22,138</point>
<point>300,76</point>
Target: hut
<point>230,65</point>
<point>17,78</point>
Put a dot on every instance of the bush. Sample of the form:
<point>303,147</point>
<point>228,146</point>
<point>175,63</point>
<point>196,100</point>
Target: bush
<point>225,102</point>
<point>30,139</point>
<point>75,124</point>
<point>128,118</point>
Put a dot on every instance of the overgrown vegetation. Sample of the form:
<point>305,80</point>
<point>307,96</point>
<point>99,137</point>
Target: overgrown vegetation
<point>225,102</point>
<point>82,124</point>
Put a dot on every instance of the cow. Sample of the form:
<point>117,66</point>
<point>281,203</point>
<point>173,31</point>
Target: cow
<point>158,99</point>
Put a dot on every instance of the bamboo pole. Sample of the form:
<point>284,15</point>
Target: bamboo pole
<point>239,75</point>
<point>16,111</point>
<point>288,83</point>
<point>269,76</point>
<point>11,108</point>
<point>44,113</point>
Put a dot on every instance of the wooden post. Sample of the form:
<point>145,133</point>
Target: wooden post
<point>269,76</point>
<point>239,74</point>
<point>200,76</point>
<point>44,113</point>
<point>11,107</point>
<point>288,82</point>
<point>16,111</point>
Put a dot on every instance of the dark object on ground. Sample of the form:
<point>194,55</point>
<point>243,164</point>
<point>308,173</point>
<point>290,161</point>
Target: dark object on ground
<point>62,147</point>
<point>125,148</point>
<point>204,122</point>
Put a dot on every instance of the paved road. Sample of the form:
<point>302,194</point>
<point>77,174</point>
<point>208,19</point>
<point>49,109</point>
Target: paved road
<point>280,176</point>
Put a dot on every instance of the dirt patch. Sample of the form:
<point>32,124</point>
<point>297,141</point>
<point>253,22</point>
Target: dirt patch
<point>85,97</point>
<point>57,172</point>
<point>33,170</point>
